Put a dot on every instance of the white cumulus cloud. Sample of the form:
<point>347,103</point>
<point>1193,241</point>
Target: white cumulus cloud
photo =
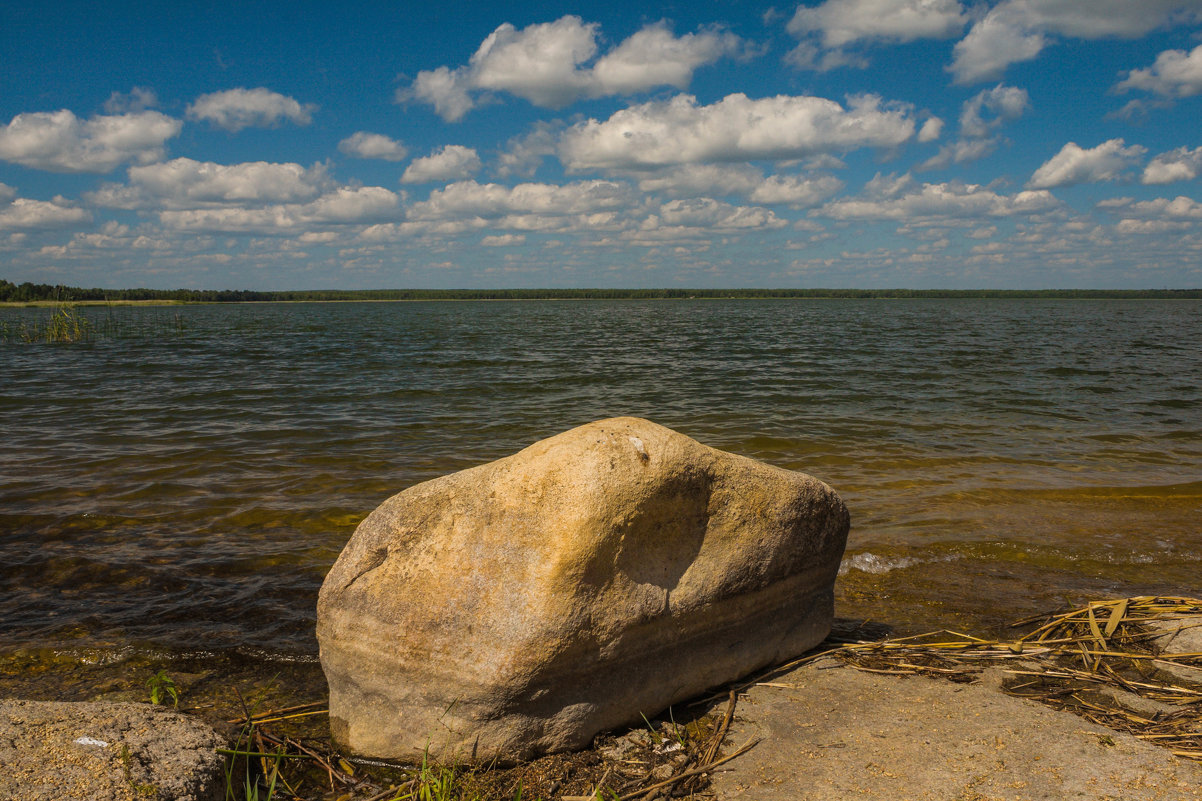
<point>962,151</point>
<point>825,30</point>
<point>991,108</point>
<point>548,65</point>
<point>471,199</point>
<point>1178,208</point>
<point>797,191</point>
<point>503,240</point>
<point>842,22</point>
<point>902,198</point>
<point>737,128</point>
<point>809,56</point>
<point>992,45</point>
<point>980,117</point>
<point>523,155</point>
<point>705,212</point>
<point>1181,164</point>
<point>138,99</point>
<point>931,130</point>
<point>353,205</point>
<point>364,145</point>
<point>654,57</point>
<point>445,89</point>
<point>703,179</point>
<point>345,205</point>
<point>235,109</point>
<point>1175,73</point>
<point>61,142</point>
<point>1018,30</point>
<point>186,183</point>
<point>1077,165</point>
<point>19,213</point>
<point>451,163</point>
<point>1152,227</point>
<point>537,63</point>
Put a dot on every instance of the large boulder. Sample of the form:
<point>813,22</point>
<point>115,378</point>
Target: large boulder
<point>522,606</point>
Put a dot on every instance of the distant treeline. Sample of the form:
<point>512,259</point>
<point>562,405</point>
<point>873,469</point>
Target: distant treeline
<point>28,292</point>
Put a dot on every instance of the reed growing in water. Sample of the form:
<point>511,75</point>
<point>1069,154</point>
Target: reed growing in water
<point>68,323</point>
<point>65,324</point>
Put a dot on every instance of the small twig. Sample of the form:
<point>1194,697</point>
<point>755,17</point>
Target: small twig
<point>235,752</point>
<point>711,750</point>
<point>933,669</point>
<point>880,670</point>
<point>380,796</point>
<point>277,719</point>
<point>259,717</point>
<point>601,783</point>
<point>329,766</point>
<point>332,771</point>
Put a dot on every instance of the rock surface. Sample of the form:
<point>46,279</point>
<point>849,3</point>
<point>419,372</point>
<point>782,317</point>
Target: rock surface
<point>1180,637</point>
<point>831,731</point>
<point>522,606</point>
<point>106,752</point>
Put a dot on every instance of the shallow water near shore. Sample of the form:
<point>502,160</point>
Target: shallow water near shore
<point>176,489</point>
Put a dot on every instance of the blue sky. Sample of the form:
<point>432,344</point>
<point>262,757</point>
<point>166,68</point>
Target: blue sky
<point>845,143</point>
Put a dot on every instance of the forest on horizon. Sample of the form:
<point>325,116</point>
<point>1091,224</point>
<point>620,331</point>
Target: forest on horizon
<point>28,292</point>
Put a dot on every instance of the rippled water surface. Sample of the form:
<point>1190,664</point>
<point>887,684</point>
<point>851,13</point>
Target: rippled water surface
<point>185,481</point>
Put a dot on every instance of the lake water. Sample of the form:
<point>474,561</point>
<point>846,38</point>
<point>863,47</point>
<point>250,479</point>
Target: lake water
<point>181,485</point>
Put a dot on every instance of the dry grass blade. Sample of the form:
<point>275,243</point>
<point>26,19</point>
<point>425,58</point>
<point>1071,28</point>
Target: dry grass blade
<point>1095,629</point>
<point>1116,616</point>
